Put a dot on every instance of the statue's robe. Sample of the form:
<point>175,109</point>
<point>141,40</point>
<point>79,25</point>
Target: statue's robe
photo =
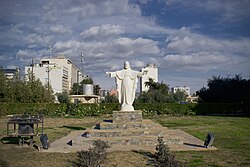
<point>126,84</point>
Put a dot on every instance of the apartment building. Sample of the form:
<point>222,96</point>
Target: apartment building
<point>59,72</point>
<point>185,89</point>
<point>151,72</point>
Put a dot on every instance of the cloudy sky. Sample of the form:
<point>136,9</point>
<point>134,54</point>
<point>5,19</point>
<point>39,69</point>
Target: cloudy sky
<point>190,41</point>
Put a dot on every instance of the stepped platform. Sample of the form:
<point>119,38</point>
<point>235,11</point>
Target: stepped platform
<point>128,131</point>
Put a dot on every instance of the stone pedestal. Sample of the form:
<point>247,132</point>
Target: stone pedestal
<point>128,131</point>
<point>127,116</point>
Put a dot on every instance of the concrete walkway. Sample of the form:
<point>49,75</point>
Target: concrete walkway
<point>127,139</point>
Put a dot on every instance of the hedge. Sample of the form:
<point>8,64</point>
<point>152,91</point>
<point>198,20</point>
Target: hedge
<point>32,108</point>
<point>165,108</point>
<point>221,108</point>
<point>91,109</point>
<point>52,109</point>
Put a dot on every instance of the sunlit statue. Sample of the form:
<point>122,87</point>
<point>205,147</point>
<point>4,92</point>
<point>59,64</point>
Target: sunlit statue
<point>126,84</point>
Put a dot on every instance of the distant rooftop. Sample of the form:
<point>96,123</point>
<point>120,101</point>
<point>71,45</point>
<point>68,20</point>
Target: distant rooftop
<point>11,70</point>
<point>151,65</point>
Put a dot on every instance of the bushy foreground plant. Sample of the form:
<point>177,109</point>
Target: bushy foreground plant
<point>94,157</point>
<point>163,157</point>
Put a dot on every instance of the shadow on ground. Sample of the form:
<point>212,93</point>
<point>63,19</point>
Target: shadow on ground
<point>73,127</point>
<point>4,163</point>
<point>194,145</point>
<point>148,155</point>
<point>9,140</point>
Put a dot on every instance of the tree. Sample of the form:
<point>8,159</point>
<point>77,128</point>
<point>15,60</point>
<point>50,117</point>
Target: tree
<point>94,157</point>
<point>77,88</point>
<point>163,157</point>
<point>63,97</point>
<point>24,92</point>
<point>3,85</point>
<point>226,90</point>
<point>179,96</point>
<point>157,93</point>
<point>39,93</point>
<point>110,99</point>
<point>151,84</point>
<point>97,89</point>
<point>87,81</point>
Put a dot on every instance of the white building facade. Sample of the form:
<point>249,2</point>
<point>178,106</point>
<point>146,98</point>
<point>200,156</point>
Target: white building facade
<point>59,72</point>
<point>151,72</point>
<point>184,89</point>
<point>12,74</point>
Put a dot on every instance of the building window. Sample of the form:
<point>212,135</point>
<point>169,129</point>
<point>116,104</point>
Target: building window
<point>76,101</point>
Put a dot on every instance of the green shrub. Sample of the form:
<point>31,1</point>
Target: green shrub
<point>163,157</point>
<point>165,108</point>
<point>82,110</point>
<point>91,109</point>
<point>94,157</point>
<point>32,108</point>
<point>221,108</point>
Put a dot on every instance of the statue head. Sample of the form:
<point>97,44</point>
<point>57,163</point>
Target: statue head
<point>126,65</point>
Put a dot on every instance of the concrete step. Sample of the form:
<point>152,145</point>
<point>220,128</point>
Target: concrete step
<point>113,133</point>
<point>127,132</point>
<point>146,140</point>
<point>145,124</point>
<point>177,140</point>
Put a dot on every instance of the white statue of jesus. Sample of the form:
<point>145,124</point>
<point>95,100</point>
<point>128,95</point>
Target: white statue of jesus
<point>126,84</point>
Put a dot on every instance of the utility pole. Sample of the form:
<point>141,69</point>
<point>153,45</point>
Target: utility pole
<point>49,49</point>
<point>79,72</point>
<point>32,71</point>
<point>48,75</point>
<point>82,60</point>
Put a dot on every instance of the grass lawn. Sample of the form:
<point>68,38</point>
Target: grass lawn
<point>231,138</point>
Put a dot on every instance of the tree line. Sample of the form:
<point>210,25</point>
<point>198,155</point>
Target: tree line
<point>24,91</point>
<point>219,90</point>
<point>160,93</point>
<point>157,93</point>
<point>225,90</point>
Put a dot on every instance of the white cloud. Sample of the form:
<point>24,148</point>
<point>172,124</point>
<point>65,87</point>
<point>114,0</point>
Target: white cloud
<point>189,51</point>
<point>231,11</point>
<point>104,30</point>
<point>12,66</point>
<point>112,31</point>
<point>65,45</point>
<point>4,57</point>
<point>60,29</point>
<point>36,40</point>
<point>197,61</point>
<point>138,63</point>
<point>24,53</point>
<point>118,47</point>
<point>28,54</point>
<point>136,46</point>
<point>185,41</point>
<point>115,67</point>
<point>228,11</point>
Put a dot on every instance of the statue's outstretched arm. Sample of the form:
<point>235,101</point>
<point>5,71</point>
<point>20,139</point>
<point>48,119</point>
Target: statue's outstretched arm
<point>140,74</point>
<point>111,74</point>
